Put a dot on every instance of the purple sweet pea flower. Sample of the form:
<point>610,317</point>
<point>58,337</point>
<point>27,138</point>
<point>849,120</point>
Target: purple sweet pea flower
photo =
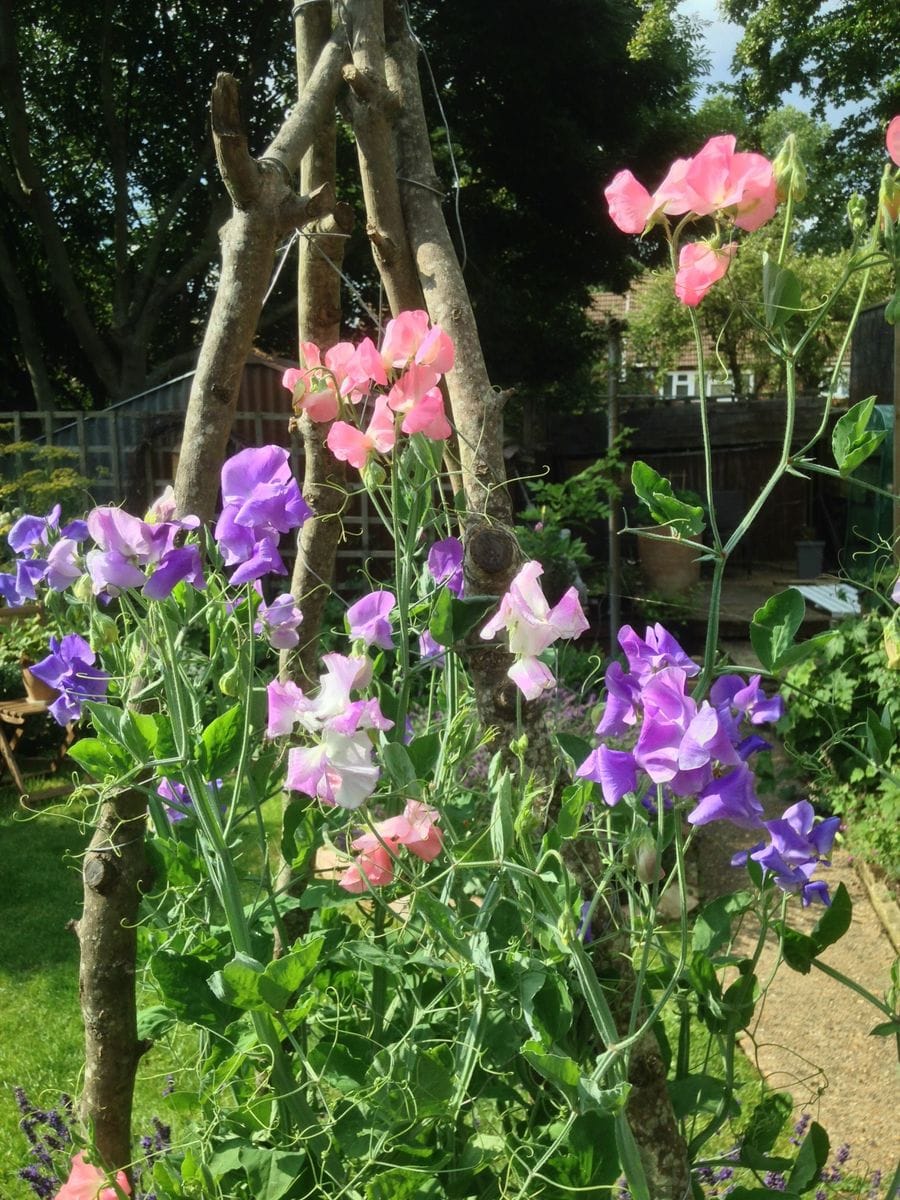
<point>895,594</point>
<point>656,650</point>
<point>177,794</point>
<point>445,562</point>
<point>731,797</point>
<point>179,565</point>
<point>261,500</point>
<point>9,591</point>
<point>279,621</point>
<point>30,531</point>
<point>747,698</point>
<point>368,621</point>
<point>623,697</point>
<point>69,668</point>
<point>614,770</point>
<point>63,567</point>
<point>430,650</point>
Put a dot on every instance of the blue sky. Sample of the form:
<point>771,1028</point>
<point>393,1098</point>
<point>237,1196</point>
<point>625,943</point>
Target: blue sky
<point>721,38</point>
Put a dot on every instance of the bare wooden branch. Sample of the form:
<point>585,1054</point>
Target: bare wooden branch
<point>371,102</point>
<point>113,871</point>
<point>265,205</point>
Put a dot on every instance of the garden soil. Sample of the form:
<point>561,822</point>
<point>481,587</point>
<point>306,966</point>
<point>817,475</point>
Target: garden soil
<point>810,1038</point>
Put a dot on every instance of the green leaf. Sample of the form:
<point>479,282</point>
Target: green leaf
<point>767,1121</point>
<point>424,752</point>
<point>238,984</point>
<point>575,799</point>
<point>400,767</point>
<point>852,441</point>
<point>781,293</point>
<point>811,1158</point>
<point>289,972</point>
<point>602,1101</point>
<point>221,742</point>
<point>775,625</point>
<point>105,719</point>
<point>100,758</point>
<point>885,1029</point>
<point>698,1093</point>
<point>879,738</point>
<point>712,925</point>
<point>558,1068</point>
<point>501,827</point>
<point>452,619</point>
<point>184,983</point>
<point>154,1022</point>
<point>834,921</point>
<point>139,733</point>
<point>271,1173</point>
<point>799,950</point>
<point>656,493</point>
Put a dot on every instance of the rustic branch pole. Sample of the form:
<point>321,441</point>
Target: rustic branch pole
<point>492,553</point>
<point>265,208</point>
<point>113,873</point>
<point>320,258</point>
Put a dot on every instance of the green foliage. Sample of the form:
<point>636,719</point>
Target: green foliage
<point>837,702</point>
<point>833,55</point>
<point>34,477</point>
<point>553,527</point>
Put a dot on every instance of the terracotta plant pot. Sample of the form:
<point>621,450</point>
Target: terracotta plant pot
<point>37,690</point>
<point>669,566</point>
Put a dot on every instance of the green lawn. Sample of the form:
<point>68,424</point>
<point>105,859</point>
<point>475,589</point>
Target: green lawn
<point>40,1021</point>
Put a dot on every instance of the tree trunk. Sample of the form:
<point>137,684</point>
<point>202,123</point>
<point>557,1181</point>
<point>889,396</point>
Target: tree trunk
<point>113,874</point>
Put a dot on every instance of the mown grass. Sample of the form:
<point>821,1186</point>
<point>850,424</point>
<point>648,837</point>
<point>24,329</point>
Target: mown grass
<point>41,1045</point>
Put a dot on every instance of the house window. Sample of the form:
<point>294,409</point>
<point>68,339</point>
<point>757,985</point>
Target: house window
<point>679,384</point>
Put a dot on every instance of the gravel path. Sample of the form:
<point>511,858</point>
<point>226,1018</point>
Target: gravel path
<point>811,1036</point>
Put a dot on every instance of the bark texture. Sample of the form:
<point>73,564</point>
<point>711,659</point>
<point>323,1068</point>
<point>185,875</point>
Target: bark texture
<point>320,259</point>
<point>265,208</point>
<point>113,873</point>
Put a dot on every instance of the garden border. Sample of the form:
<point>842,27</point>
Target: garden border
<point>883,901</point>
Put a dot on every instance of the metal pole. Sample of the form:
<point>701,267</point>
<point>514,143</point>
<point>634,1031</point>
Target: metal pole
<point>614,357</point>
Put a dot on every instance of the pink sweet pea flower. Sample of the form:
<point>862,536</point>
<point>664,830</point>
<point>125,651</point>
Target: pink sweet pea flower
<point>338,771</point>
<point>892,140</point>
<point>408,339</point>
<point>532,626</point>
<point>371,868</point>
<point>700,265</point>
<point>411,387</point>
<point>354,446</point>
<point>351,445</point>
<point>428,417</point>
<point>630,204</point>
<point>415,828</point>
<point>86,1182</point>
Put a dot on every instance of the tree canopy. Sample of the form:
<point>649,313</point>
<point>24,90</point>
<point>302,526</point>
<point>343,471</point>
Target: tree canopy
<point>840,57</point>
<point>110,202</point>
